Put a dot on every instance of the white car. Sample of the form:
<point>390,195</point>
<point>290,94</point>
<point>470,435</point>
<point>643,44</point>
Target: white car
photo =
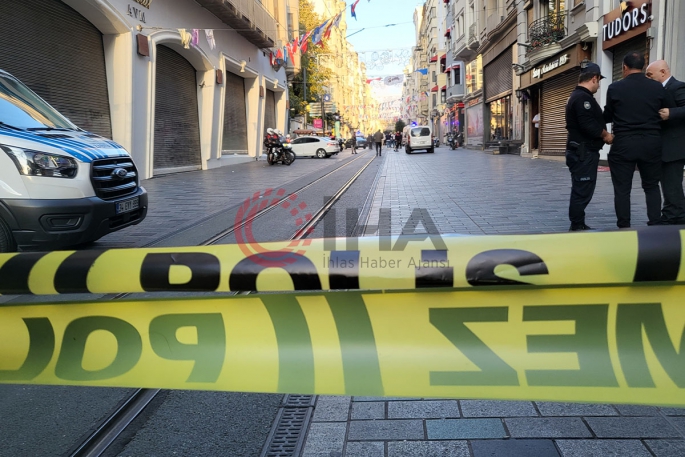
<point>314,146</point>
<point>419,137</point>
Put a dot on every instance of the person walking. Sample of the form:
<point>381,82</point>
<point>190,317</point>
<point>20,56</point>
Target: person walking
<point>353,144</point>
<point>369,142</point>
<point>633,105</point>
<point>586,136</point>
<point>398,140</point>
<point>378,139</point>
<point>673,149</point>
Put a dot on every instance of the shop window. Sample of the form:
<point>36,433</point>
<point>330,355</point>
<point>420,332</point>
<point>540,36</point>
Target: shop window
<point>501,119</point>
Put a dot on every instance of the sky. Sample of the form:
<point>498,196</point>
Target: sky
<point>372,16</point>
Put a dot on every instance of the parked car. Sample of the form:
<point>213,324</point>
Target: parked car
<point>315,146</point>
<point>361,143</point>
<point>61,186</point>
<point>418,137</point>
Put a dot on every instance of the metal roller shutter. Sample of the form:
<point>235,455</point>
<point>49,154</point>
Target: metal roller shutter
<point>639,43</point>
<point>59,54</point>
<point>177,125</point>
<point>235,116</point>
<point>553,97</point>
<point>498,77</point>
<point>270,110</point>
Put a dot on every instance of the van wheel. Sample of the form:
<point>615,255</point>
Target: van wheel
<point>431,150</point>
<point>7,243</point>
<point>407,149</point>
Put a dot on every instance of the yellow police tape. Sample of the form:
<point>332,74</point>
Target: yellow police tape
<point>591,317</point>
<point>587,344</point>
<point>650,255</point>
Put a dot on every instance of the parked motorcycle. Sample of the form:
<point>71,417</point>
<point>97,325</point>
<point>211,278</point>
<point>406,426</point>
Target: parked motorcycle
<point>278,150</point>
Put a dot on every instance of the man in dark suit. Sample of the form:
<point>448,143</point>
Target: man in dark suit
<point>673,138</point>
<point>632,105</point>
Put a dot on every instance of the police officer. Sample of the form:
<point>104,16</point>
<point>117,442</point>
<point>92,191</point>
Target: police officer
<point>633,105</point>
<point>586,136</point>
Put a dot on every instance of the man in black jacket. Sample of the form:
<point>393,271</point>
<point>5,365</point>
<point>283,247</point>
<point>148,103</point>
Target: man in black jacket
<point>673,138</point>
<point>633,105</point>
<point>586,136</point>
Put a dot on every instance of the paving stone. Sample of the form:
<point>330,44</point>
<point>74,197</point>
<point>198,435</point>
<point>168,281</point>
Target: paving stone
<point>547,427</point>
<point>602,448</point>
<point>514,448</point>
<point>667,448</point>
<point>325,439</point>
<point>488,408</point>
<point>673,411</point>
<point>331,409</point>
<point>428,449</point>
<point>637,410</point>
<point>385,430</point>
<point>632,427</point>
<point>368,410</point>
<point>574,409</point>
<point>428,409</point>
<point>679,422</point>
<point>465,429</point>
<point>365,449</point>
<point>384,399</point>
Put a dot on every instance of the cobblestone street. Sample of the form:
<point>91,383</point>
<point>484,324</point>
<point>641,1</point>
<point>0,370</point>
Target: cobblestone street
<point>472,192</point>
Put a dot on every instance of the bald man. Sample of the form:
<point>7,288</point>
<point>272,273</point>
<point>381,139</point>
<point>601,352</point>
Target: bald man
<point>673,148</point>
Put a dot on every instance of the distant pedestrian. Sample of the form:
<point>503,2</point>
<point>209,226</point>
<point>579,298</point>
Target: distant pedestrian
<point>633,105</point>
<point>353,144</point>
<point>378,139</point>
<point>369,141</point>
<point>586,136</point>
<point>673,139</point>
<point>536,131</point>
<point>398,140</point>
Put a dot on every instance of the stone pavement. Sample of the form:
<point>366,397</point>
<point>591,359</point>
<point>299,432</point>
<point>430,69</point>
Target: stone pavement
<point>476,193</point>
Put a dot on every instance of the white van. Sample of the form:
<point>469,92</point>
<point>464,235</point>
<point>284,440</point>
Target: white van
<point>59,185</point>
<point>418,137</point>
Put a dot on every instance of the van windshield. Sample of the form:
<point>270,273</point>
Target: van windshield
<point>20,107</point>
<point>421,131</point>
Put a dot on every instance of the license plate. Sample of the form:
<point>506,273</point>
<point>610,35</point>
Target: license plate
<point>127,205</point>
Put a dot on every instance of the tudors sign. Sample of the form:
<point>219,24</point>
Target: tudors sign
<point>625,22</point>
<point>553,65</point>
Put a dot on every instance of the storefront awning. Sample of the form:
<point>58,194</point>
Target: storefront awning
<point>434,59</point>
<point>448,69</point>
<point>449,31</point>
<point>435,89</point>
<point>444,88</point>
<point>443,58</point>
<point>456,65</point>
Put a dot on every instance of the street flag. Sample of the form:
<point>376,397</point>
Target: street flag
<point>354,5</point>
<point>318,32</point>
<point>336,21</point>
<point>289,48</point>
<point>209,34</point>
<point>423,71</point>
<point>196,37</point>
<point>327,33</point>
<point>304,42</point>
<point>185,38</point>
<point>295,45</point>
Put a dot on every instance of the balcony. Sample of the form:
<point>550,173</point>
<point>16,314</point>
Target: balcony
<point>547,30</point>
<point>454,93</point>
<point>474,41</point>
<point>248,17</point>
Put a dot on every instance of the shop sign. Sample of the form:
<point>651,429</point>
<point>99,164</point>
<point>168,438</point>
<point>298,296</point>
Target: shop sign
<point>474,102</point>
<point>625,22</point>
<point>553,65</point>
<point>136,13</point>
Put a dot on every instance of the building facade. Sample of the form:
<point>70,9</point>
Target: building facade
<point>123,70</point>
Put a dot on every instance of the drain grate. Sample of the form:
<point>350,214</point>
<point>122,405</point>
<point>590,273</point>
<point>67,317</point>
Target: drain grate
<point>287,435</point>
<point>298,401</point>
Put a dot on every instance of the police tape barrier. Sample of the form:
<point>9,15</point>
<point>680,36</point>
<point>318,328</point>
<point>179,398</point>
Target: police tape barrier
<point>371,263</point>
<point>611,344</point>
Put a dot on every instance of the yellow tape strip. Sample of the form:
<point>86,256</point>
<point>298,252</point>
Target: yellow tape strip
<point>620,344</point>
<point>624,257</point>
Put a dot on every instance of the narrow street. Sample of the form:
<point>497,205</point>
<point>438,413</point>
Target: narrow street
<point>464,192</point>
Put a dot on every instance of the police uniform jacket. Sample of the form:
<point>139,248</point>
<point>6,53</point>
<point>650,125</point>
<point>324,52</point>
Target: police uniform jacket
<point>633,105</point>
<point>673,130</point>
<point>584,119</point>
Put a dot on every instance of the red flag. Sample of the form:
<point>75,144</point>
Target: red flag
<point>296,44</point>
<point>289,47</point>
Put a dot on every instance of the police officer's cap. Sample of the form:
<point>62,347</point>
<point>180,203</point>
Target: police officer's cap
<point>590,67</point>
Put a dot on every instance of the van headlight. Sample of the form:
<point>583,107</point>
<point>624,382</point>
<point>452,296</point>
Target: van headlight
<point>37,163</point>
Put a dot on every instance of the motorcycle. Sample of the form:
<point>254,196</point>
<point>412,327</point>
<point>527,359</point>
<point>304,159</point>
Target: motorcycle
<point>278,150</point>
<point>453,142</point>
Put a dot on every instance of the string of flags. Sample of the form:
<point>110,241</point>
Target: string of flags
<point>193,38</point>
